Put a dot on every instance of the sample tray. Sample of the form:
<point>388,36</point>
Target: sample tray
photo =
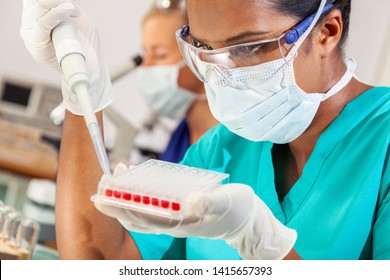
<point>157,187</point>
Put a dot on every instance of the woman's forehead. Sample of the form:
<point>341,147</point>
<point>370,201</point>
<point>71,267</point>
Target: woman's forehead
<point>216,22</point>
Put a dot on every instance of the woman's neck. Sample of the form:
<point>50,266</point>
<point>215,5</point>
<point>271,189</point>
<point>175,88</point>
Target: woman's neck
<point>303,146</point>
<point>199,120</point>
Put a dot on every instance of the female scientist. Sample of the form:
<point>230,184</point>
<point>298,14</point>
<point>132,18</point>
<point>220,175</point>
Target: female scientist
<point>305,143</point>
<point>168,85</point>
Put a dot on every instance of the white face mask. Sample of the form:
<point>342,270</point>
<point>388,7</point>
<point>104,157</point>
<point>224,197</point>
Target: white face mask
<point>269,106</point>
<point>159,86</point>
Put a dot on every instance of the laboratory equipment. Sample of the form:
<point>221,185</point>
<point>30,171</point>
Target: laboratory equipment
<point>11,220</point>
<point>24,123</point>
<point>128,66</point>
<point>58,113</point>
<point>34,198</point>
<point>27,236</point>
<point>30,103</point>
<point>18,234</point>
<point>124,145</point>
<point>157,187</point>
<point>4,210</point>
<point>23,151</point>
<point>41,191</point>
<point>72,61</point>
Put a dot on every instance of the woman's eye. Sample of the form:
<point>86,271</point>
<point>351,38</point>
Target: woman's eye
<point>250,49</point>
<point>203,47</point>
<point>199,45</point>
<point>246,50</point>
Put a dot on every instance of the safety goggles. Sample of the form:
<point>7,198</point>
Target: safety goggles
<point>241,55</point>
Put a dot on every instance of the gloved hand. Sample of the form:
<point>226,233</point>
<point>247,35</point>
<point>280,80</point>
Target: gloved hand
<point>38,20</point>
<point>232,213</point>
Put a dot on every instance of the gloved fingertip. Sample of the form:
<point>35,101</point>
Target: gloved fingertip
<point>104,177</point>
<point>217,203</point>
<point>195,204</point>
<point>120,169</point>
<point>68,7</point>
<point>76,10</point>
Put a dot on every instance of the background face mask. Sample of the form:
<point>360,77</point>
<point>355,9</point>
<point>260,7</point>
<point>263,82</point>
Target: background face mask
<point>159,86</point>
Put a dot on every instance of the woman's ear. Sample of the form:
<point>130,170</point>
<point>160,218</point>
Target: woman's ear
<point>330,33</point>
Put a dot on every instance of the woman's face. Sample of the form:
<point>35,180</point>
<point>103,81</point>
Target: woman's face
<point>160,47</point>
<point>159,41</point>
<point>230,22</point>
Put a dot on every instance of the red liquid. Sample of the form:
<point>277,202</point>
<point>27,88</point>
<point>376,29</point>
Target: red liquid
<point>109,192</point>
<point>137,198</point>
<point>155,202</point>
<point>117,194</point>
<point>175,206</point>
<point>165,204</point>
<point>127,196</point>
<point>146,200</point>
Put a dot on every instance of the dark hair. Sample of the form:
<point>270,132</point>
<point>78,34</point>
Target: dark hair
<point>302,9</point>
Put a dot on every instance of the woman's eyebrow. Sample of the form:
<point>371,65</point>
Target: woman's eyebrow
<point>244,36</point>
<point>234,39</point>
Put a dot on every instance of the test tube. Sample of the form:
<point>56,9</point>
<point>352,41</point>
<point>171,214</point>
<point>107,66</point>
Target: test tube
<point>4,211</point>
<point>14,226</point>
<point>10,218</point>
<point>27,237</point>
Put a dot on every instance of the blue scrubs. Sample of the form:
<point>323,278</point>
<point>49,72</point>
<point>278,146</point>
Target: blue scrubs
<point>178,144</point>
<point>339,206</point>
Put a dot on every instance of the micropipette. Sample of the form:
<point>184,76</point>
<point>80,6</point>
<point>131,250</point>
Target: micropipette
<point>72,62</point>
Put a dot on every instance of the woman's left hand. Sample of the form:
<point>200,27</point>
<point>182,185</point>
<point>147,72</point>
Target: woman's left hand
<point>232,212</point>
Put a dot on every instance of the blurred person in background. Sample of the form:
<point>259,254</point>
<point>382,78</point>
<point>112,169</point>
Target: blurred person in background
<point>169,87</point>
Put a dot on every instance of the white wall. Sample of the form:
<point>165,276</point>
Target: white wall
<point>118,24</point>
<point>369,40</point>
<point>384,71</point>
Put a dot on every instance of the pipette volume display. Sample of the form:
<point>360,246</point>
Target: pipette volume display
<point>157,187</point>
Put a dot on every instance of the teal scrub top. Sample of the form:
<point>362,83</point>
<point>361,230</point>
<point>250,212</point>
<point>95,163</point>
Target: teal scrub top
<point>339,206</point>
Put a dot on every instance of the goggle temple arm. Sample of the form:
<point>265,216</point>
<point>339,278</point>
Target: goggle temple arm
<point>185,31</point>
<point>296,33</point>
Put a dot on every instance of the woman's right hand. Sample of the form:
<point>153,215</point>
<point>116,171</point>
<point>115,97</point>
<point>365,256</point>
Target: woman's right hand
<point>39,19</point>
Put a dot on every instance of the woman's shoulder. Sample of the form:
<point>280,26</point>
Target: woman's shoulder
<point>379,93</point>
<point>373,103</point>
<point>367,116</point>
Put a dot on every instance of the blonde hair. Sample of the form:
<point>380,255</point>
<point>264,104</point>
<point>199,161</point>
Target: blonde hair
<point>176,7</point>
